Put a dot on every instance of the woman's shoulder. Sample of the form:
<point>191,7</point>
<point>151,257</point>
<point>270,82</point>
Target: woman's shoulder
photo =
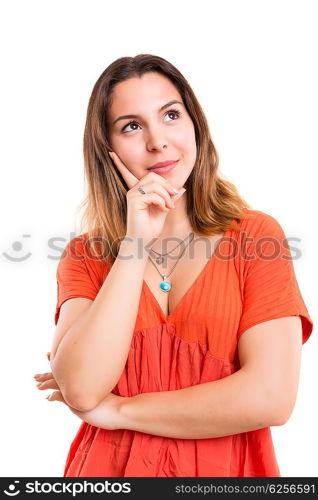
<point>76,246</point>
<point>260,223</point>
<point>80,248</point>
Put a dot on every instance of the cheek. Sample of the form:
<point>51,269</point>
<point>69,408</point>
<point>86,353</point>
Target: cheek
<point>126,151</point>
<point>130,157</point>
<point>187,144</point>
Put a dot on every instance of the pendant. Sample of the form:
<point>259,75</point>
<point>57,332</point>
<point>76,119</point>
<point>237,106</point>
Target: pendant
<point>165,285</point>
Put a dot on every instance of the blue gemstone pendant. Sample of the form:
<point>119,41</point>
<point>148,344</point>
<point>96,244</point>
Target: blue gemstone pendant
<point>165,285</point>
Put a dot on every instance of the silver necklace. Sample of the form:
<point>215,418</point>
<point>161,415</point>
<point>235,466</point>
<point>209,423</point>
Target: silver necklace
<point>165,285</point>
<point>160,259</point>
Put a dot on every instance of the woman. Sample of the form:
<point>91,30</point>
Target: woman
<point>163,346</point>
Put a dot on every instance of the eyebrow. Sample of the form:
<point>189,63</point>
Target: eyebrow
<point>124,117</point>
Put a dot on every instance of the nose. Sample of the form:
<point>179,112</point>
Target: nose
<point>155,141</point>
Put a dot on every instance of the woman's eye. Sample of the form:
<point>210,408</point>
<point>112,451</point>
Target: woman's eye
<point>173,112</point>
<point>170,112</point>
<point>130,123</point>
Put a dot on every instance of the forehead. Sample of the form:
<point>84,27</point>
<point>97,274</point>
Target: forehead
<point>150,91</point>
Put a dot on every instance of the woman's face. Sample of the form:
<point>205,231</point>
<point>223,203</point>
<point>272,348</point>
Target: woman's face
<point>155,135</point>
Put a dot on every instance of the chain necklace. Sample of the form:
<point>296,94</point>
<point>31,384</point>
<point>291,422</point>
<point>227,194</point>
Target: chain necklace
<point>165,285</point>
<point>160,259</point>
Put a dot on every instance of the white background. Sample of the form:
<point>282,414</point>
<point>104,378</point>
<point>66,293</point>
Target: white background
<point>253,67</point>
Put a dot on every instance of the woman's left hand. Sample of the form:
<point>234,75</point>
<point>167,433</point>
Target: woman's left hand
<point>105,415</point>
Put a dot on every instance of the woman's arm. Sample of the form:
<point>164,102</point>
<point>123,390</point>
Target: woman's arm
<point>261,393</point>
<point>92,354</point>
<point>227,406</point>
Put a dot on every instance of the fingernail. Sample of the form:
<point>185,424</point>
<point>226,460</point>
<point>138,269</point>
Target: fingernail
<point>37,375</point>
<point>110,154</point>
<point>175,190</point>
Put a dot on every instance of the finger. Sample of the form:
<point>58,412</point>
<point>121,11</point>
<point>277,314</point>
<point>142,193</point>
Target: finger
<point>162,190</point>
<point>129,178</point>
<point>155,199</point>
<point>48,384</point>
<point>43,376</point>
<point>152,178</point>
<point>177,196</point>
<point>167,185</point>
<point>56,396</point>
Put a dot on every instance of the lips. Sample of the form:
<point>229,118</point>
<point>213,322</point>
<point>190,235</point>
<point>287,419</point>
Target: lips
<point>163,170</point>
<point>162,164</point>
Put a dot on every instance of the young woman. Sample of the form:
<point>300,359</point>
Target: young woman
<point>179,320</point>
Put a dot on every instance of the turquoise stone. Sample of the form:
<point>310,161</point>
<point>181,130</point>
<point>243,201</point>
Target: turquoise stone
<point>165,286</point>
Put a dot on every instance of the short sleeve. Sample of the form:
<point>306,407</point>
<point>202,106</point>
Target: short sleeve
<point>76,275</point>
<point>270,289</point>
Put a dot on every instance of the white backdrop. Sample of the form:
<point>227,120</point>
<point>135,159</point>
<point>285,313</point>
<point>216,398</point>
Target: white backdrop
<point>252,65</point>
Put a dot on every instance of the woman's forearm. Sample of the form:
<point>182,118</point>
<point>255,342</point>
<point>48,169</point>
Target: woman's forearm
<point>231,405</point>
<point>92,354</point>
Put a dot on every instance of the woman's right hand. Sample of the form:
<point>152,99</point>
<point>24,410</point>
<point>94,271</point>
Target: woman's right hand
<point>146,213</point>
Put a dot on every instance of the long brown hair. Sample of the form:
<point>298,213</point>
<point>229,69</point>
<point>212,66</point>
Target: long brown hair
<point>211,202</point>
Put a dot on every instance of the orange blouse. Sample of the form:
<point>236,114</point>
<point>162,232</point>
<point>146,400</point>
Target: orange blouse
<point>248,279</point>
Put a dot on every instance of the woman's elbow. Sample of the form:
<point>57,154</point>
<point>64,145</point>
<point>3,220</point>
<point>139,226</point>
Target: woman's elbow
<point>78,401</point>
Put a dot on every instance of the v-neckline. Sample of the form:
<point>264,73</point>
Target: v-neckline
<point>168,317</point>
